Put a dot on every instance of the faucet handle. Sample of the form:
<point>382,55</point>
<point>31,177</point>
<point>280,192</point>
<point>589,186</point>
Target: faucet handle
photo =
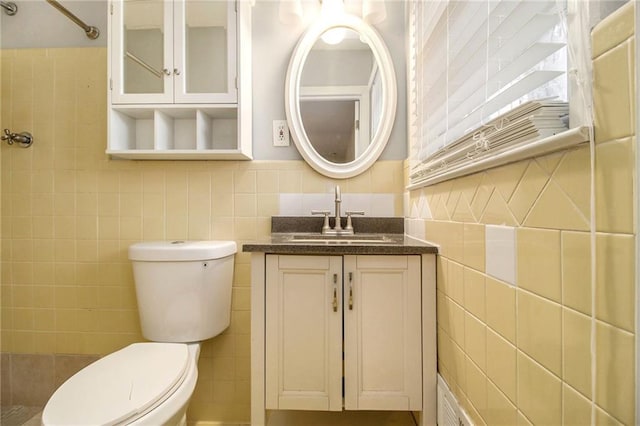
<point>8,136</point>
<point>349,227</point>
<point>326,213</point>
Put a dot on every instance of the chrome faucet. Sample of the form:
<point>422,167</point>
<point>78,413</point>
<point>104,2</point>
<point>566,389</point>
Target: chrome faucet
<point>338,200</point>
<point>337,228</point>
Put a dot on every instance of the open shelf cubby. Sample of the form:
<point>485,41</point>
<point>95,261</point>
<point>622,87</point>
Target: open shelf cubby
<point>171,132</point>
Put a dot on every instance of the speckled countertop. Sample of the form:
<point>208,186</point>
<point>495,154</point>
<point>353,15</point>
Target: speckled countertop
<point>390,230</point>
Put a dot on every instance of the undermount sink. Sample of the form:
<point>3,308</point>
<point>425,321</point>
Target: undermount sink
<point>339,239</point>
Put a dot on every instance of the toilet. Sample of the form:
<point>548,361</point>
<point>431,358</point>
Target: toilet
<point>184,297</point>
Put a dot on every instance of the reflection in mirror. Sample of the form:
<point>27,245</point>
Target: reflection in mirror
<point>206,46</point>
<point>143,46</point>
<point>336,142</point>
<point>340,97</point>
<point>205,49</point>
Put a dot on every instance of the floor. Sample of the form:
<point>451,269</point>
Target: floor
<point>19,415</point>
<point>340,418</point>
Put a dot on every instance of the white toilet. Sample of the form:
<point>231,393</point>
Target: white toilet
<point>184,297</point>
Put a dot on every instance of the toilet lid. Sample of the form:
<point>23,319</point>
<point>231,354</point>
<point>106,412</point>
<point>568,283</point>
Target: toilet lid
<point>120,386</point>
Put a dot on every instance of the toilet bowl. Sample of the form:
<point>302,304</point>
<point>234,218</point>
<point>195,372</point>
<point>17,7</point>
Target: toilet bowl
<point>184,297</point>
<point>142,384</point>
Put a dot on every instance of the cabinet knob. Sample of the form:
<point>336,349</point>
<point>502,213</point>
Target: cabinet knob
<point>176,71</point>
<point>166,71</point>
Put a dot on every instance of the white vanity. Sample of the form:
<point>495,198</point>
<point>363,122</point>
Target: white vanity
<point>343,326</point>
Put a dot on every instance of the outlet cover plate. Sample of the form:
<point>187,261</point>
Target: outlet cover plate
<point>280,133</point>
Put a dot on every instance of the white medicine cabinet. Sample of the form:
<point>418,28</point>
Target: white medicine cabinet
<point>179,79</point>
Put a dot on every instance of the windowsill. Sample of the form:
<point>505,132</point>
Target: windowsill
<point>562,141</point>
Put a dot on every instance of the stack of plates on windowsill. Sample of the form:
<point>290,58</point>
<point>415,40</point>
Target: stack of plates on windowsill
<point>531,121</point>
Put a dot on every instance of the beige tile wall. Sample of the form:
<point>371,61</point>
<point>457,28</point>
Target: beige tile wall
<point>30,379</point>
<point>522,355</point>
<point>69,214</point>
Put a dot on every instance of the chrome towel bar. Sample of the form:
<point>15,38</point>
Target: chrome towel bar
<point>91,32</point>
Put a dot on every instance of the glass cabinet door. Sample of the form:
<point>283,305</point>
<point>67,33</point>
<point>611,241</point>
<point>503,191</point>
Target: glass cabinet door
<point>181,51</point>
<point>205,51</point>
<point>143,51</point>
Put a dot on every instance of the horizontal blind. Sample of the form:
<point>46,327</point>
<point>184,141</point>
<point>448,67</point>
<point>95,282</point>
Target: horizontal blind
<point>474,61</point>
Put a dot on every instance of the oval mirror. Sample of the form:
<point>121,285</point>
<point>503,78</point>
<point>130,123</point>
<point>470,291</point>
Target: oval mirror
<point>340,96</point>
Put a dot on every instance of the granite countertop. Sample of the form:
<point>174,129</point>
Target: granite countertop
<point>391,230</point>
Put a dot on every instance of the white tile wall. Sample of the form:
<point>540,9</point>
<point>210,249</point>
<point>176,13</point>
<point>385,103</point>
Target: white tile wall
<point>356,202</point>
<point>291,205</point>
<point>420,207</point>
<point>316,202</point>
<point>414,228</point>
<point>377,205</point>
<point>500,253</point>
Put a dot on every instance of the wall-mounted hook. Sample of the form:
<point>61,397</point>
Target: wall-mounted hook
<point>24,139</point>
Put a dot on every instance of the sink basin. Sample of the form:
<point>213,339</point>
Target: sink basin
<point>340,239</point>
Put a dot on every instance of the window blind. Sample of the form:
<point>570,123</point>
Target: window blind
<point>471,63</point>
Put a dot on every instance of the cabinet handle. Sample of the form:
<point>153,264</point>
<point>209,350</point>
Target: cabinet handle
<point>176,71</point>
<point>335,293</point>
<point>351,291</point>
<point>166,71</point>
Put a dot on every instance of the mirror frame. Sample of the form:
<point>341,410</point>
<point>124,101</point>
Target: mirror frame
<point>389,97</point>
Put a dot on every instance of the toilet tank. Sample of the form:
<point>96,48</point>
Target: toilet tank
<point>183,288</point>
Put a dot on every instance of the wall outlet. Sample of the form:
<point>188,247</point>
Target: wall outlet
<point>280,133</point>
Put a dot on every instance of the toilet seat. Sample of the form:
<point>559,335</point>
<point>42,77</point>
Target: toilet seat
<point>120,387</point>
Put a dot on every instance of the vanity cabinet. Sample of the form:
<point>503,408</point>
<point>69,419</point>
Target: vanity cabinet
<point>321,307</point>
<point>179,79</point>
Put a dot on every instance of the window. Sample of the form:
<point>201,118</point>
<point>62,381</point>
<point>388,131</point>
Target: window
<point>484,75</point>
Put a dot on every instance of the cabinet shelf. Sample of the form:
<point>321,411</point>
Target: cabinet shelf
<point>175,133</point>
<point>180,154</point>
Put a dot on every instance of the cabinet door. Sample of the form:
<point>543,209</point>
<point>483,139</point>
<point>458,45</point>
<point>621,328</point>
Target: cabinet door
<point>142,51</point>
<point>205,51</point>
<point>181,51</point>
<point>382,326</point>
<point>303,333</point>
